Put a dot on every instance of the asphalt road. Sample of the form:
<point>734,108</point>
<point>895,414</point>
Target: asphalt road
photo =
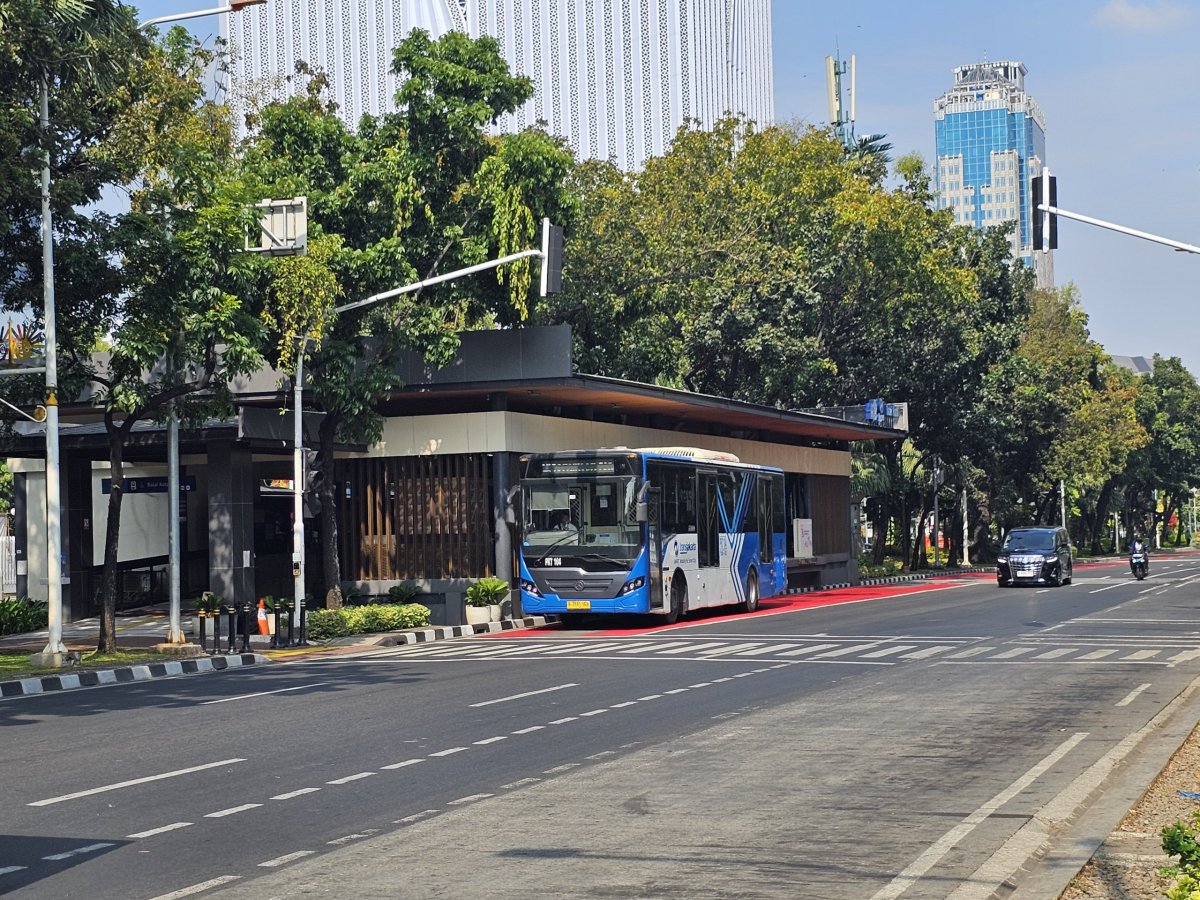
<point>917,740</point>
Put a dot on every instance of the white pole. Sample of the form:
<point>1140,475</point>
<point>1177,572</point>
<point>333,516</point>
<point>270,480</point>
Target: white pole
<point>966,534</point>
<point>174,627</point>
<point>1062,500</point>
<point>298,481</point>
<point>54,643</point>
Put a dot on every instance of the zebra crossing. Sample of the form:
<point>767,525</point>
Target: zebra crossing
<point>865,650</point>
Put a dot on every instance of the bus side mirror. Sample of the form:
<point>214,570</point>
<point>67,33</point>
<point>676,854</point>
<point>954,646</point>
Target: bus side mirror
<point>643,511</point>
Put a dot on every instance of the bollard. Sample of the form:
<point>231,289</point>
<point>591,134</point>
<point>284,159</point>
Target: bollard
<point>303,611</point>
<point>247,610</point>
<point>216,617</point>
<point>232,610</point>
<point>276,635</point>
<point>202,614</point>
<point>290,606</point>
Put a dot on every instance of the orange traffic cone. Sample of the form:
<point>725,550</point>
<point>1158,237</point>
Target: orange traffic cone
<point>264,627</point>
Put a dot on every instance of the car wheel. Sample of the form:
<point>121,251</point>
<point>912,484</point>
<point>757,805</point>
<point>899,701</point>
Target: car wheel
<point>1070,574</point>
<point>678,601</point>
<point>1057,581</point>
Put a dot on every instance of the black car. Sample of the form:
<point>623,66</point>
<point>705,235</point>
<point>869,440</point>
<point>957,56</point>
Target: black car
<point>1036,555</point>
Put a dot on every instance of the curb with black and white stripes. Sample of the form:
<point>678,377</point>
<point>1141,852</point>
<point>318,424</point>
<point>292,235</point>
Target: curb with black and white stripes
<point>423,635</point>
<point>48,684</point>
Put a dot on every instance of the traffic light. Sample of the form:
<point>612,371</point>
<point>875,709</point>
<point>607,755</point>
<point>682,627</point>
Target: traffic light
<point>1048,197</point>
<point>313,476</point>
<point>552,252</point>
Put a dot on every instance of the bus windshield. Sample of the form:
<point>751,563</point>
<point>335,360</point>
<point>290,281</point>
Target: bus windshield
<point>576,516</point>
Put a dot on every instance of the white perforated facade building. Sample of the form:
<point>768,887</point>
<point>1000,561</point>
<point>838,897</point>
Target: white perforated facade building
<point>616,78</point>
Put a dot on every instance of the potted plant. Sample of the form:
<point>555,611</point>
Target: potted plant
<point>484,598</point>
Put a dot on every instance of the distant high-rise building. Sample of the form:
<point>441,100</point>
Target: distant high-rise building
<point>991,140</point>
<point>616,79</point>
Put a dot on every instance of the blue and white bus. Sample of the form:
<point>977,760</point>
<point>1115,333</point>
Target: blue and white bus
<point>657,530</point>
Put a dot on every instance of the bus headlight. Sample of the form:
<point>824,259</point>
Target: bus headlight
<point>633,585</point>
<point>530,587</point>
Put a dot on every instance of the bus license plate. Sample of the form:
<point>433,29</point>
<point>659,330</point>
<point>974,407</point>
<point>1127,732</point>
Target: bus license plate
<point>579,604</point>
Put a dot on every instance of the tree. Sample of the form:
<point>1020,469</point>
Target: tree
<point>408,195</point>
<point>186,322</point>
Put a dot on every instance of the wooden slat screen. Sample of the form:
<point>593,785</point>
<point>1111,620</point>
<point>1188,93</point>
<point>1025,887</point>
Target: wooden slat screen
<point>415,517</point>
<point>830,514</point>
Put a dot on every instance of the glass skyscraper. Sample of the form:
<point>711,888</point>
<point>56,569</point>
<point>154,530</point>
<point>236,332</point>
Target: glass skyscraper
<point>991,140</point>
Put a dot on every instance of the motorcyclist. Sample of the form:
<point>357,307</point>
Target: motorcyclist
<point>1137,545</point>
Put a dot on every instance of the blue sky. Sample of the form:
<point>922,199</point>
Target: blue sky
<point>1118,82</point>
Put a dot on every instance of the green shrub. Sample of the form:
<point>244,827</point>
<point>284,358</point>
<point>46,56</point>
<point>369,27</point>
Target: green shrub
<point>369,619</point>
<point>1180,840</point>
<point>19,615</point>
<point>406,592</point>
<point>487,591</point>
<point>209,603</point>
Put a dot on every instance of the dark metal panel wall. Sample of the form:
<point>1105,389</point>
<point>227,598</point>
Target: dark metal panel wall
<point>416,517</point>
<point>830,514</point>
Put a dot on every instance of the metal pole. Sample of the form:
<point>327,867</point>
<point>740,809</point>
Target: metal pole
<point>1062,500</point>
<point>174,628</point>
<point>298,479</point>
<point>966,534</point>
<point>936,538</point>
<point>54,643</point>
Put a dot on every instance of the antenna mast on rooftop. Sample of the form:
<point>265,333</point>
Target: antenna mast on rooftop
<point>843,124</point>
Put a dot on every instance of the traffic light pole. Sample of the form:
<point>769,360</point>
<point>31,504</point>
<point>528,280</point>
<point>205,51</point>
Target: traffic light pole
<point>298,481</point>
<point>1049,211</point>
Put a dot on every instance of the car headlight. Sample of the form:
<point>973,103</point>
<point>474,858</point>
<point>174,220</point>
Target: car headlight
<point>530,587</point>
<point>632,585</point>
<point>1050,559</point>
<point>1001,559</point>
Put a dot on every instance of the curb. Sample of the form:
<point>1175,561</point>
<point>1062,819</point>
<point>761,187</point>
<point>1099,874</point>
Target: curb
<point>424,635</point>
<point>47,684</point>
<point>890,579</point>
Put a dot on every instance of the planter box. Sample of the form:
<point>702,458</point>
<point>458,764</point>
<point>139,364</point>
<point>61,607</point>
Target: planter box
<point>479,615</point>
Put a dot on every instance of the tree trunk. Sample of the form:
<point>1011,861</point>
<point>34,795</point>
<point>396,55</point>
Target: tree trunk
<point>1100,517</point>
<point>331,569</point>
<point>109,586</point>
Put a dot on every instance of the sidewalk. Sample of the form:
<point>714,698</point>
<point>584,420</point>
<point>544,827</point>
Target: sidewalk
<point>146,629</point>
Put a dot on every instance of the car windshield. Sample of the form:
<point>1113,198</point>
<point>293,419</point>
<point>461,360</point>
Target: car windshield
<point>592,517</point>
<point>1035,541</point>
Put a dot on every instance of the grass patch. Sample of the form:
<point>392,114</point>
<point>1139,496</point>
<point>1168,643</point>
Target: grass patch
<point>17,665</point>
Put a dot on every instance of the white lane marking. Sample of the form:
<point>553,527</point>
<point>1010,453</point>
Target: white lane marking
<point>721,680</point>
<point>1109,588</point>
<point>350,778</point>
<point>730,648</point>
<point>337,842</point>
<point>800,650</point>
<point>423,814</point>
<point>1098,654</point>
<point>763,651</point>
<point>845,651</point>
<point>7,869</point>
<point>1016,651</point>
<point>888,651</point>
<point>222,813</point>
<point>625,704</point>
<point>565,720</point>
<point>526,694</point>
<point>449,752</point>
<point>153,831</point>
<point>78,851</point>
<point>297,793</point>
<point>1055,654</point>
<point>565,767</point>
<point>700,684</point>
<point>689,647</point>
<point>657,647</point>
<point>299,687</point>
<point>594,712</point>
<point>928,651</point>
<point>955,835</point>
<point>401,765</point>
<point>530,729</point>
<point>285,859</point>
<point>676,691</point>
<point>492,740</point>
<point>1185,656</point>
<point>462,801</point>
<point>198,888</point>
<point>521,783</point>
<point>584,648</point>
<point>124,784</point>
<point>1132,695</point>
<point>1141,654</point>
<point>649,697</point>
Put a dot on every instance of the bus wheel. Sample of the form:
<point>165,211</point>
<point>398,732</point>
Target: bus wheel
<point>750,604</point>
<point>678,601</point>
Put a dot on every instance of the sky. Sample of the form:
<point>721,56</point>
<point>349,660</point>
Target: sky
<point>1118,82</point>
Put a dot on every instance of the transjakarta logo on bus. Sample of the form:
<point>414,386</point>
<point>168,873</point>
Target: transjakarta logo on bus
<point>685,551</point>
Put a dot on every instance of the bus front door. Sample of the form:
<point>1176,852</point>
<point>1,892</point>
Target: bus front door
<point>654,548</point>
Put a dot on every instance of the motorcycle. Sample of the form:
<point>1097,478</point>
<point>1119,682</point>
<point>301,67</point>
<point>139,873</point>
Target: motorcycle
<point>1138,565</point>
